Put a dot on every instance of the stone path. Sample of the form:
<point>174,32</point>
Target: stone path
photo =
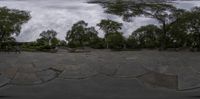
<point>173,70</point>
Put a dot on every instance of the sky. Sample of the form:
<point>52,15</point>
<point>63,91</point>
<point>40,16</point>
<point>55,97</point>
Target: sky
<point>60,15</point>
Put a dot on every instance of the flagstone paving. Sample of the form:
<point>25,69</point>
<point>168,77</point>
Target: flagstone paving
<point>174,70</point>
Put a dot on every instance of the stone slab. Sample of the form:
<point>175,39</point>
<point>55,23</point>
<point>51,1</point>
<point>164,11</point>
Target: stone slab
<point>77,71</point>
<point>26,79</point>
<point>47,75</point>
<point>160,80</point>
<point>188,79</point>
<point>3,80</point>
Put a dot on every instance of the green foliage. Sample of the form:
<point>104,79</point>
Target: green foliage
<point>192,22</point>
<point>116,40</point>
<point>166,14</point>
<point>177,35</point>
<point>80,36</point>
<point>55,42</point>
<point>63,43</point>
<point>98,43</point>
<point>132,42</point>
<point>76,36</point>
<point>47,42</point>
<point>49,38</point>
<point>35,46</point>
<point>147,36</point>
<point>126,9</point>
<point>109,27</point>
<point>10,24</point>
<point>161,12</point>
<point>30,46</point>
<point>91,36</point>
<point>178,28</point>
<point>11,21</point>
<point>42,41</point>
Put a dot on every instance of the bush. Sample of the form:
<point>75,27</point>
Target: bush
<point>98,44</point>
<point>132,43</point>
<point>115,40</point>
<point>63,43</point>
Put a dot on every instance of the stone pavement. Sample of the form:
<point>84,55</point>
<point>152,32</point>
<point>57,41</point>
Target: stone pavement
<point>179,71</point>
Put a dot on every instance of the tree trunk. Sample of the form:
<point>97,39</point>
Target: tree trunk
<point>198,43</point>
<point>1,41</point>
<point>124,46</point>
<point>107,45</point>
<point>164,37</point>
<point>1,38</point>
<point>50,42</point>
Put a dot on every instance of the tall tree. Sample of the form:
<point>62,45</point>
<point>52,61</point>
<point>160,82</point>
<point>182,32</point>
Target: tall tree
<point>191,21</point>
<point>147,36</point>
<point>125,9</point>
<point>166,14</point>
<point>49,36</point>
<point>91,36</point>
<point>75,36</point>
<point>80,35</point>
<point>116,40</point>
<point>109,27</point>
<point>11,21</point>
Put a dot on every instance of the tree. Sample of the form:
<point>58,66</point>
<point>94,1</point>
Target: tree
<point>177,35</point>
<point>11,21</point>
<point>125,9</point>
<point>191,23</point>
<point>98,43</point>
<point>80,35</point>
<point>132,42</point>
<point>91,36</point>
<point>147,36</point>
<point>109,26</point>
<point>48,36</point>
<point>42,42</point>
<point>166,14</point>
<point>55,42</point>
<point>63,43</point>
<point>115,40</point>
<point>75,36</point>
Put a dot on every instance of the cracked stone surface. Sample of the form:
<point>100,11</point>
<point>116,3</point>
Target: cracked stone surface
<point>78,71</point>
<point>157,79</point>
<point>3,80</point>
<point>47,75</point>
<point>174,70</point>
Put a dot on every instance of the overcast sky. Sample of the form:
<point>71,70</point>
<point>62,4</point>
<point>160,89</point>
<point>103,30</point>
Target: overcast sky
<point>61,14</point>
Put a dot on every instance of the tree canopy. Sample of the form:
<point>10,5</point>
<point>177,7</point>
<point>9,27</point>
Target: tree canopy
<point>165,14</point>
<point>48,37</point>
<point>80,35</point>
<point>110,28</point>
<point>11,21</point>
<point>147,36</point>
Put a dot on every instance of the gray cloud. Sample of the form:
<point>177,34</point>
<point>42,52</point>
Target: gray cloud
<point>61,14</point>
